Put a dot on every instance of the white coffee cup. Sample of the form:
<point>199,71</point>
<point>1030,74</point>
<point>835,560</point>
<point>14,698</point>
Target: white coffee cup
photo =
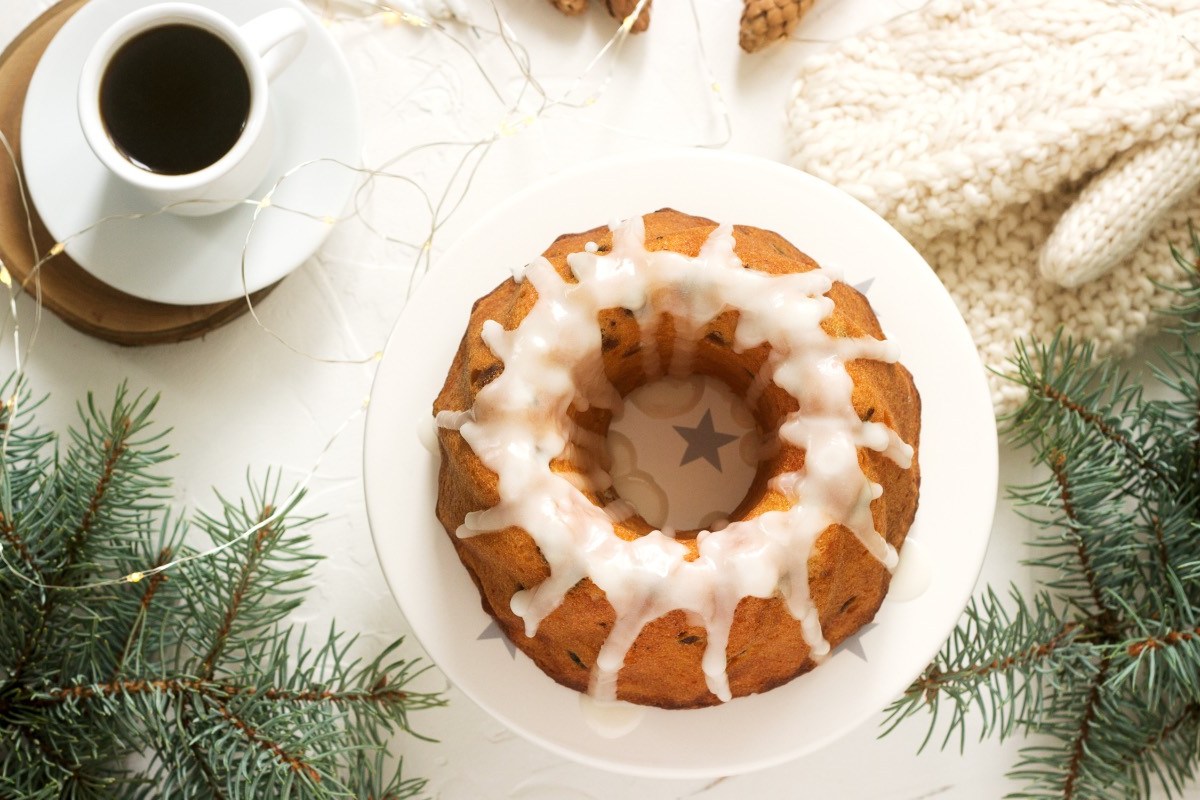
<point>265,46</point>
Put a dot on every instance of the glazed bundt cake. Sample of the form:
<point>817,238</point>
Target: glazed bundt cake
<point>599,599</point>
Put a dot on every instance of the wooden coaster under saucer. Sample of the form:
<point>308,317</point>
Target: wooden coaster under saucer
<point>81,300</point>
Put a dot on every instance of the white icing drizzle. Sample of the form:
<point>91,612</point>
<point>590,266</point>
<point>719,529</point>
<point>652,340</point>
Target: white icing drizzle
<point>610,719</point>
<point>620,510</point>
<point>761,379</point>
<point>683,354</point>
<point>552,361</point>
<point>913,575</point>
<point>427,434</point>
<point>714,521</point>
<point>651,359</point>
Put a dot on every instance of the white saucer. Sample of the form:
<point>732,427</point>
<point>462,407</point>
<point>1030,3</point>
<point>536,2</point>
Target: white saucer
<point>939,563</point>
<point>190,261</point>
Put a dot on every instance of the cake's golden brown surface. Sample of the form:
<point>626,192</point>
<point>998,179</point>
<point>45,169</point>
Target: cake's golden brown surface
<point>766,647</point>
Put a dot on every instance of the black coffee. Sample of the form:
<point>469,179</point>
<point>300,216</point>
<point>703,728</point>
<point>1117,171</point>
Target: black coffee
<point>175,99</point>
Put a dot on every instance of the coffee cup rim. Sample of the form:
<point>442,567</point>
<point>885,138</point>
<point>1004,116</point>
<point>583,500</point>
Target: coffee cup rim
<point>101,54</point>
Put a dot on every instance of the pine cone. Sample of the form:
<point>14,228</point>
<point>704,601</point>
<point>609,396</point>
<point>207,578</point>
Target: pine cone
<point>570,7</point>
<point>620,9</point>
<point>766,21</point>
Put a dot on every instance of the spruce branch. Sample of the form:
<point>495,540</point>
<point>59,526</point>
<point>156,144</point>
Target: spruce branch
<point>1167,754</point>
<point>9,534</point>
<point>1074,529</point>
<point>193,668</point>
<point>133,639</point>
<point>1084,731</point>
<point>245,576</point>
<point>1010,652</point>
<point>1102,665</point>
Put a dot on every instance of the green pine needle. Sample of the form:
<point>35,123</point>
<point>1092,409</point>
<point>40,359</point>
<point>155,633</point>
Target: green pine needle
<point>1103,663</point>
<point>188,683</point>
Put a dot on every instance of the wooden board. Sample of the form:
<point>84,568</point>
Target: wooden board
<point>81,300</point>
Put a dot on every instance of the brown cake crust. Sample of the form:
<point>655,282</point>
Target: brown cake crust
<point>766,647</point>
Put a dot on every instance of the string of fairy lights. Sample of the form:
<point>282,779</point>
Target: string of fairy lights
<point>532,102</point>
<point>516,117</point>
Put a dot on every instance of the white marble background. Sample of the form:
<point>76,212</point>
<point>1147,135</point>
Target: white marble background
<point>238,398</point>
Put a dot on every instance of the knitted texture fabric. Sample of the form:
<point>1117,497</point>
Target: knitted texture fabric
<point>1041,154</point>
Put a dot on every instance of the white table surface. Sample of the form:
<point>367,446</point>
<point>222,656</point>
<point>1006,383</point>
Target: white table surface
<point>238,398</point>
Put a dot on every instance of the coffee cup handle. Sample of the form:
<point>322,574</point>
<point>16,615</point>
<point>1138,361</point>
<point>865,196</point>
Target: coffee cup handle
<point>278,37</point>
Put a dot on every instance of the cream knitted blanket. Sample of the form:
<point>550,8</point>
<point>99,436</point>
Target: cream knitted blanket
<point>1041,154</point>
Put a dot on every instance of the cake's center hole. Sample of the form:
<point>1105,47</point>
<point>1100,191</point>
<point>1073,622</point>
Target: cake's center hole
<point>684,452</point>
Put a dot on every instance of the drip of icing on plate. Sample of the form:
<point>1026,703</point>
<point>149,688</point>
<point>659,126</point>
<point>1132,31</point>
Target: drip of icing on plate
<point>553,362</point>
<point>913,576</point>
<point>611,719</point>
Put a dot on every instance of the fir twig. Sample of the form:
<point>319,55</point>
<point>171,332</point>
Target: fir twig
<point>218,691</point>
<point>193,668</point>
<point>1166,755</point>
<point>1006,652</point>
<point>1079,747</point>
<point>245,575</point>
<point>1058,465</point>
<point>1103,665</point>
<point>135,629</point>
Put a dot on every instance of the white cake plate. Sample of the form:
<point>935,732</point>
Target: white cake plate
<point>940,561</point>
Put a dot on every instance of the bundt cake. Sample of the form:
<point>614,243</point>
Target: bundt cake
<point>600,600</point>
